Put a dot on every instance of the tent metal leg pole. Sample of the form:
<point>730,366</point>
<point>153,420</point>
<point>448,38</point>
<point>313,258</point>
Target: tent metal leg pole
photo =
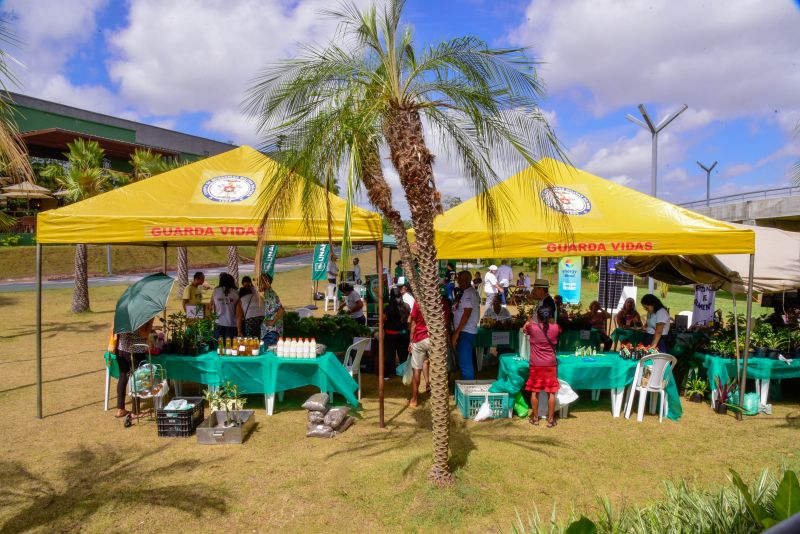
<point>748,330</point>
<point>164,317</point>
<point>736,337</point>
<point>38,331</point>
<point>381,370</point>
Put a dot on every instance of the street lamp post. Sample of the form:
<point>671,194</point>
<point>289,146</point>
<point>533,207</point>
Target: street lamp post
<point>654,131</point>
<point>708,181</point>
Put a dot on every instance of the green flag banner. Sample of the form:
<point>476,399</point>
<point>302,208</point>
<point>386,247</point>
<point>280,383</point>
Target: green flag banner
<point>268,259</point>
<point>319,267</point>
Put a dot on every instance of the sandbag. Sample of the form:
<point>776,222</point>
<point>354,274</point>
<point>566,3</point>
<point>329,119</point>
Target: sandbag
<point>320,431</point>
<point>347,423</point>
<point>316,418</point>
<point>751,401</point>
<point>317,402</point>
<point>336,416</point>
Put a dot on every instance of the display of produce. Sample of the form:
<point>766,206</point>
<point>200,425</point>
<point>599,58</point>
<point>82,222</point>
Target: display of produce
<point>629,352</point>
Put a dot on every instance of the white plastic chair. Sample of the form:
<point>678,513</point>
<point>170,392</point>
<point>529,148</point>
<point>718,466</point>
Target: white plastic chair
<point>304,312</point>
<point>352,359</point>
<point>660,373</point>
<point>330,296</point>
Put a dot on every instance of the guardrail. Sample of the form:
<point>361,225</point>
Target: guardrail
<point>743,197</point>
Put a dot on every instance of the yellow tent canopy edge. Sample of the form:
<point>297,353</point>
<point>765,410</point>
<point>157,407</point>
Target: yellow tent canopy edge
<point>211,201</point>
<point>604,219</point>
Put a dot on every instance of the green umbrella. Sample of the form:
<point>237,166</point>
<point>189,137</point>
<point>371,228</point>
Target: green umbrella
<point>141,302</point>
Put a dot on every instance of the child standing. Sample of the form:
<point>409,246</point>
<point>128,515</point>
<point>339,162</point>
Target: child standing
<point>544,365</point>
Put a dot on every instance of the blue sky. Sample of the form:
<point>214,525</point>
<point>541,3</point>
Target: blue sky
<point>185,65</point>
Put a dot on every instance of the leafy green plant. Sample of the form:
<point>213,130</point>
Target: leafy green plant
<point>733,509</point>
<point>10,240</point>
<point>696,386</point>
<point>227,398</point>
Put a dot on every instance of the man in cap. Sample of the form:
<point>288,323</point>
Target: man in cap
<point>333,269</point>
<point>541,292</point>
<point>490,285</point>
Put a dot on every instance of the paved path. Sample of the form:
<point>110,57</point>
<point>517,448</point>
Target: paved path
<point>281,265</point>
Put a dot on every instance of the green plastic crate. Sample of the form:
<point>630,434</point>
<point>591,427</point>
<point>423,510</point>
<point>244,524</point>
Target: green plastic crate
<point>470,394</point>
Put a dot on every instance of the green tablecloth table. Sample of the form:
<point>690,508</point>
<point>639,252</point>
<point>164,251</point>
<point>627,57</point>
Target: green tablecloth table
<point>762,370</point>
<point>569,339</point>
<point>265,375</point>
<point>608,371</point>
<point>484,339</point>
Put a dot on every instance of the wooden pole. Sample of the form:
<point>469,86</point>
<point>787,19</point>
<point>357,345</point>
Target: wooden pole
<point>381,370</point>
<point>38,331</point>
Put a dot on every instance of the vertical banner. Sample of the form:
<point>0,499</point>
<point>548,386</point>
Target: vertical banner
<point>268,259</point>
<point>319,268</point>
<point>569,279</point>
<point>704,298</point>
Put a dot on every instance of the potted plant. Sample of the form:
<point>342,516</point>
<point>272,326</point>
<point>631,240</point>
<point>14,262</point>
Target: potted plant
<point>696,389</point>
<point>723,392</point>
<point>228,423</point>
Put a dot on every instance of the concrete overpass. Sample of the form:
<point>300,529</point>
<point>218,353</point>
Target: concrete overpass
<point>776,208</point>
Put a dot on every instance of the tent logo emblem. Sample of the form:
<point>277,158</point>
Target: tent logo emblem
<point>229,188</point>
<point>567,201</point>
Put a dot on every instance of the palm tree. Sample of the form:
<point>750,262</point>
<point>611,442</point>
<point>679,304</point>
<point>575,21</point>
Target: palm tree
<point>82,177</point>
<point>340,106</point>
<point>233,262</point>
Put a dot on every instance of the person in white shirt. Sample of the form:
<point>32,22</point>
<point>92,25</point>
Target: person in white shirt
<point>466,314</point>
<point>504,278</point>
<point>356,271</point>
<point>333,269</point>
<point>497,312</point>
<point>225,303</point>
<point>657,326</point>
<point>490,285</point>
<point>405,291</point>
<point>353,303</point>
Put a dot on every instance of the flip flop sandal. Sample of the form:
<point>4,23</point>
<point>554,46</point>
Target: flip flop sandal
<point>128,421</point>
<point>551,424</point>
<point>533,421</point>
<point>120,416</point>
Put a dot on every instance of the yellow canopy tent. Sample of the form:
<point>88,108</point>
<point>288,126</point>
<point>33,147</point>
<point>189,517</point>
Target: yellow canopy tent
<point>605,219</point>
<point>211,201</point>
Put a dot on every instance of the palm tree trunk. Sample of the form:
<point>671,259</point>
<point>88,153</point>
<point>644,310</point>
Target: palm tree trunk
<point>233,263</point>
<point>80,293</point>
<point>414,164</point>
<point>183,270</point>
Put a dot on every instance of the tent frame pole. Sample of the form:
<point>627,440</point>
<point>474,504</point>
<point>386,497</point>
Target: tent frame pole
<point>736,336</point>
<point>743,380</point>
<point>381,369</point>
<point>38,331</point>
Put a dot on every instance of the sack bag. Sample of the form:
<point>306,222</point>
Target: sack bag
<point>520,406</point>
<point>319,431</point>
<point>317,402</point>
<point>335,416</point>
<point>408,372</point>
<point>316,418</point>
<point>484,412</point>
<point>347,423</point>
<point>566,395</point>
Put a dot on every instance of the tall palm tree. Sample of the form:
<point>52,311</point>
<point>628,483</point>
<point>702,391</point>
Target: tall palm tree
<point>82,177</point>
<point>371,90</point>
<point>233,262</point>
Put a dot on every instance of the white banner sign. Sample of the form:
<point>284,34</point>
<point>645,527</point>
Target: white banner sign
<point>704,298</point>
<point>501,338</point>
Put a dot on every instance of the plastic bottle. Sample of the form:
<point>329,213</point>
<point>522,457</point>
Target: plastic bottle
<point>229,347</point>
<point>280,348</point>
<point>306,348</point>
<point>293,348</point>
<point>312,347</point>
<point>220,346</point>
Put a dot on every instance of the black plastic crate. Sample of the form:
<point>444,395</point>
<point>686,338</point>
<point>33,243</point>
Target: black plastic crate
<point>180,423</point>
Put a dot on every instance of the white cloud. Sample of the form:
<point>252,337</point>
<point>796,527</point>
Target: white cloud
<point>50,32</point>
<point>737,169</point>
<point>726,58</point>
<point>174,58</point>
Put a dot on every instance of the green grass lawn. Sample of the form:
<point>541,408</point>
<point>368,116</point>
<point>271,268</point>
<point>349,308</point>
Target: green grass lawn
<point>79,469</point>
<point>58,261</point>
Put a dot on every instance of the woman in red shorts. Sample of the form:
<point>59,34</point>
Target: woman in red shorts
<point>544,365</point>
